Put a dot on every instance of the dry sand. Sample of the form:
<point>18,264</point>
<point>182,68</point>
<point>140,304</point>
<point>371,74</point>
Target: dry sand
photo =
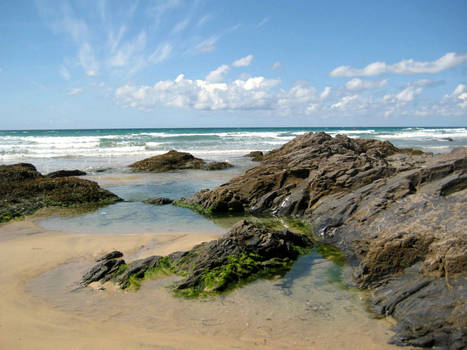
<point>34,262</point>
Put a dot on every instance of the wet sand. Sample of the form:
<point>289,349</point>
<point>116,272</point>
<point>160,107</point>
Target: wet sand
<point>40,308</point>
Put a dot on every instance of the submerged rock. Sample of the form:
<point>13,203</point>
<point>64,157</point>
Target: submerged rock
<point>23,190</point>
<point>245,253</point>
<point>398,214</point>
<point>65,173</point>
<point>158,201</point>
<point>174,160</point>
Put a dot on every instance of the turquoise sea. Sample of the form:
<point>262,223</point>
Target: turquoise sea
<point>53,149</point>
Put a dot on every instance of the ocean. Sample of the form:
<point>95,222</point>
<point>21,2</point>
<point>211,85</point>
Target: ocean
<point>96,148</point>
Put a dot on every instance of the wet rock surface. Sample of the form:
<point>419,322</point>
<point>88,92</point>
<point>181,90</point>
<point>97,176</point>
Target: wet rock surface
<point>65,173</point>
<point>245,253</point>
<point>158,201</point>
<point>174,160</point>
<point>399,215</point>
<point>23,190</point>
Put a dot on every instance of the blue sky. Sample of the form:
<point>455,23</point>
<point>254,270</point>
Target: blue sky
<point>179,63</point>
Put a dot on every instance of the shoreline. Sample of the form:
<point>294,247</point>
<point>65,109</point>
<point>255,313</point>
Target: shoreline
<point>30,322</point>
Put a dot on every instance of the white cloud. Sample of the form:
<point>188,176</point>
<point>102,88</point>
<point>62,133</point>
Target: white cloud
<point>243,62</point>
<point>204,19</point>
<point>408,66</point>
<point>276,65</point>
<point>217,75</point>
<point>253,93</point>
<point>91,72</point>
<point>408,94</point>
<point>87,59</point>
<point>130,51</point>
<point>180,26</point>
<point>161,53</point>
<point>74,91</point>
<point>208,44</point>
<point>326,92</point>
<point>357,84</point>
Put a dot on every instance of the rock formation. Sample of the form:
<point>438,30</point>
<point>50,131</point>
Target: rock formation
<point>256,156</point>
<point>245,253</point>
<point>174,160</point>
<point>158,201</point>
<point>399,215</point>
<point>23,190</point>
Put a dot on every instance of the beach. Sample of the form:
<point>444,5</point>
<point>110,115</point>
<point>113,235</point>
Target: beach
<point>44,256</point>
<point>41,311</point>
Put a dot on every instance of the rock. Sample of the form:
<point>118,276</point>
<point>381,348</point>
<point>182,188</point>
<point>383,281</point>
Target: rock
<point>158,201</point>
<point>64,173</point>
<point>174,160</point>
<point>398,215</point>
<point>112,255</point>
<point>256,156</point>
<point>23,190</point>
<point>217,166</point>
<point>243,254</point>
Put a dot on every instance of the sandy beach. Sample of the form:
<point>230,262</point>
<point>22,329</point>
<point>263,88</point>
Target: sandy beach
<point>40,311</point>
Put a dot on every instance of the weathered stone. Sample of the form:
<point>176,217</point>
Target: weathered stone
<point>256,156</point>
<point>112,255</point>
<point>244,253</point>
<point>392,211</point>
<point>174,160</point>
<point>65,173</point>
<point>158,201</point>
<point>23,190</point>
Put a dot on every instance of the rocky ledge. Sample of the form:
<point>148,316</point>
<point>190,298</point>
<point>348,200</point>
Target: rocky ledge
<point>23,190</point>
<point>174,160</point>
<point>399,215</point>
<point>245,253</point>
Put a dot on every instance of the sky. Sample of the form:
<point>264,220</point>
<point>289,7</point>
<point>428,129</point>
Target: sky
<point>178,63</point>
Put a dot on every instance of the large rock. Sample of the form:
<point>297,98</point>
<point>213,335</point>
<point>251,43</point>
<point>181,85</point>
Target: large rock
<point>23,190</point>
<point>174,160</point>
<point>65,173</point>
<point>243,254</point>
<point>399,215</point>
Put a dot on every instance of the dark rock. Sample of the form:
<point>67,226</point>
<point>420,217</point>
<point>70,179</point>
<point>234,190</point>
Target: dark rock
<point>217,166</point>
<point>158,201</point>
<point>64,173</point>
<point>112,255</point>
<point>23,190</point>
<point>256,156</point>
<point>101,271</point>
<point>172,160</point>
<point>245,253</point>
<point>398,215</point>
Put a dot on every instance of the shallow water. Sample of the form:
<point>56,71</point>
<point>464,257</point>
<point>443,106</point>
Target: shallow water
<point>300,311</point>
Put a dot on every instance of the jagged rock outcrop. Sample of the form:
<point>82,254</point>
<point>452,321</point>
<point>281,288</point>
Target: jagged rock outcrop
<point>174,160</point>
<point>245,253</point>
<point>399,215</point>
<point>23,190</point>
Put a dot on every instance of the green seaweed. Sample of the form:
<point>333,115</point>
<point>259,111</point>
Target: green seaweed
<point>195,207</point>
<point>331,253</point>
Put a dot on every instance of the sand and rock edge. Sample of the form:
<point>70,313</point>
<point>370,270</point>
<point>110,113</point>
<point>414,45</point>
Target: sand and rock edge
<point>399,215</point>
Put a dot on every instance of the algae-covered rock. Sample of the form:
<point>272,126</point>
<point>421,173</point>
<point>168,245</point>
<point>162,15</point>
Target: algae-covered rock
<point>23,190</point>
<point>245,253</point>
<point>399,215</point>
<point>256,156</point>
